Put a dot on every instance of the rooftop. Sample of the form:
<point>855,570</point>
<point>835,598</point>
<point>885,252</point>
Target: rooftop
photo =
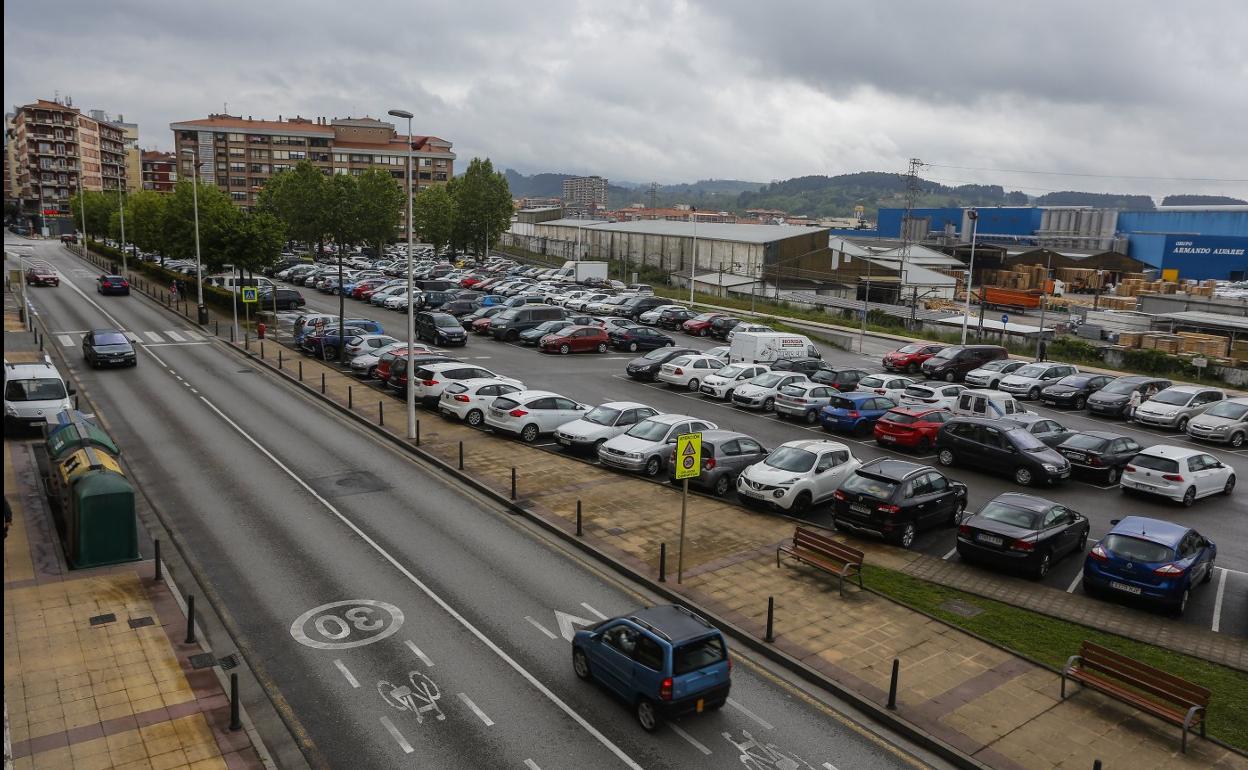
<point>711,231</point>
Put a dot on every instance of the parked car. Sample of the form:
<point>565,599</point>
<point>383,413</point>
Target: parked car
<point>891,385</point>
<point>1177,405</point>
<point>1226,422</point>
<point>953,363</point>
<point>651,317</point>
<point>895,499</point>
<point>760,392</point>
<point>797,475</point>
<point>112,284</point>
<point>722,325</point>
<point>640,305</point>
<point>998,447</point>
<point>646,447</point>
<point>991,404</point>
<point>806,365</point>
<point>748,327</point>
<point>1073,390</point>
<point>1113,400</point>
<point>432,378</point>
<point>482,325</point>
<point>283,299</point>
<point>700,325</point>
<point>936,394</point>
<point>396,373</point>
<point>674,317</point>
<point>529,414</point>
<point>854,412</point>
<point>366,343</point>
<point>1027,381</point>
<point>647,367</point>
<point>108,347</point>
<point>910,358</point>
<point>324,344</point>
<point>688,371</point>
<point>725,454</point>
<point>612,323</point>
<point>1022,532</point>
<point>1178,473</point>
<point>603,422</point>
<point>440,329</point>
<point>575,339</point>
<point>722,352</point>
<point>722,383</point>
<point>843,378</point>
<point>910,428</point>
<point>508,324</point>
<point>1097,453</point>
<point>663,661</point>
<point>803,401</point>
<point>534,336</point>
<point>1154,561</point>
<point>635,338</point>
<point>42,275</point>
<point>468,399</point>
<point>469,321</point>
<point>365,364</point>
<point>1050,432</point>
<point>990,374</point>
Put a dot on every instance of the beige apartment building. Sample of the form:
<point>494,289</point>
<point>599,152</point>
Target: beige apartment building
<point>240,154</point>
<point>130,139</point>
<point>588,191</point>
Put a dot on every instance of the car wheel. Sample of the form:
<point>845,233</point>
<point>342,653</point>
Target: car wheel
<point>1042,566</point>
<point>862,428</point>
<point>801,503</point>
<point>950,377</point>
<point>1181,606</point>
<point>652,467</point>
<point>945,457</point>
<point>912,369</point>
<point>632,347</point>
<point>598,445</point>
<point>331,352</point>
<point>728,394</point>
<point>905,538</point>
<point>692,385</point>
<point>1230,486</point>
<point>769,404</point>
<point>1208,575</point>
<point>580,664</point>
<point>528,434</point>
<point>1181,425</point>
<point>702,333</point>
<point>1189,497</point>
<point>474,418</point>
<point>722,485</point>
<point>1237,440</point>
<point>648,715</point>
<point>512,335</point>
<point>602,347</point>
<point>1080,402</point>
<point>1113,476</point>
<point>564,349</point>
<point>959,511</point>
<point>1033,394</point>
<point>669,345</point>
<point>1023,477</point>
<point>812,417</point>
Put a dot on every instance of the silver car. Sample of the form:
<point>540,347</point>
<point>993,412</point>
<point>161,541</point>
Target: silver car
<point>603,422</point>
<point>647,445</point>
<point>1175,406</point>
<point>1225,422</point>
<point>990,374</point>
<point>803,400</point>
<point>1027,381</point>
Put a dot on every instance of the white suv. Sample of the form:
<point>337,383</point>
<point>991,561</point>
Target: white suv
<point>429,380</point>
<point>1178,473</point>
<point>468,399</point>
<point>33,394</point>
<point>1027,381</point>
<point>531,413</point>
<point>798,475</point>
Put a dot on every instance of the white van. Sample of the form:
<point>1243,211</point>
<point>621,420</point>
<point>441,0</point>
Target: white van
<point>990,404</point>
<point>234,283</point>
<point>33,394</point>
<point>769,347</point>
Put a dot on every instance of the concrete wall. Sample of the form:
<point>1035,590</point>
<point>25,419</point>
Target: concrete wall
<point>1174,303</point>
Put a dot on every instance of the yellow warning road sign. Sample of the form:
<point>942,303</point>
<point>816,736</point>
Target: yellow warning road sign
<point>250,294</point>
<point>688,455</point>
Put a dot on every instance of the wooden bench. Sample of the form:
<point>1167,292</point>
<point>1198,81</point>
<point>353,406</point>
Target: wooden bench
<point>819,550</point>
<point>1149,689</point>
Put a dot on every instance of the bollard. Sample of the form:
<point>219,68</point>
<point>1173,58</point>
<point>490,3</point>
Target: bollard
<point>235,722</point>
<point>418,433</point>
<point>246,340</point>
<point>261,350</point>
<point>662,562</point>
<point>461,455</point>
<point>231,334</point>
<point>156,560</point>
<point>350,398</point>
<point>75,401</point>
<point>301,370</point>
<point>381,415</point>
<point>322,382</point>
<point>279,358</point>
<point>513,482</point>
<point>216,328</point>
<point>39,337</point>
<point>771,616</point>
<point>1096,764</point>
<point>892,686</point>
<point>190,619</point>
<point>579,531</point>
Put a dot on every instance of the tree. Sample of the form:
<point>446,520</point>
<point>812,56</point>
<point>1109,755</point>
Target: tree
<point>99,209</point>
<point>145,221</point>
<point>216,213</point>
<point>380,201</point>
<point>253,240</point>
<point>433,212</point>
<point>483,204</point>
<point>298,198</point>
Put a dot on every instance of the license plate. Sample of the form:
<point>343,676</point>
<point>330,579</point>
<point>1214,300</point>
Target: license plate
<point>1049,401</point>
<point>699,707</point>
<point>886,437</point>
<point>750,492</point>
<point>564,441</point>
<point>1124,587</point>
<point>989,539</point>
<point>859,508</point>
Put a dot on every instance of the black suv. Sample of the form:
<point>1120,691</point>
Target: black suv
<point>722,325</point>
<point>1098,453</point>
<point>951,364</point>
<point>842,378</point>
<point>108,347</point>
<point>806,366</point>
<point>638,305</point>
<point>440,329</point>
<point>896,499</point>
<point>674,318</point>
<point>284,299</point>
<point>999,447</point>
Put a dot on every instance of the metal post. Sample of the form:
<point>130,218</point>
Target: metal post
<point>156,576</point>
<point>970,273</point>
<point>1044,302</point>
<point>1096,764</point>
<point>301,370</point>
<point>513,482</point>
<point>892,686</point>
<point>235,722</point>
<point>381,414</point>
<point>231,334</point>
<point>680,550</point>
<point>662,562</point>
<point>190,619</point>
<point>771,615</point>
<point>580,532</point>
<point>261,350</point>
<point>412,429</point>
<point>322,382</point>
<point>461,455</point>
<point>418,433</point>
<point>350,398</point>
<point>279,358</point>
<point>216,328</point>
<point>202,309</point>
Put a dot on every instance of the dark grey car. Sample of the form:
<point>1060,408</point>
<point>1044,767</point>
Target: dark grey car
<point>725,454</point>
<point>1050,432</point>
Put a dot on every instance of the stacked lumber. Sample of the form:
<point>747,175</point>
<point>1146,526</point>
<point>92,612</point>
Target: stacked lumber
<point>1130,339</point>
<point>1166,343</point>
<point>1203,344</point>
<point>1119,303</point>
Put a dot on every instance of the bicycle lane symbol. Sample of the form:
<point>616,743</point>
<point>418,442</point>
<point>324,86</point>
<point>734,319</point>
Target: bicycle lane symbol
<point>760,756</point>
<point>420,697</point>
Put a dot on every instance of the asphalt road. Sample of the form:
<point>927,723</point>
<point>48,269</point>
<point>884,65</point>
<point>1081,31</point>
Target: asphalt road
<point>403,620</point>
<point>592,378</point>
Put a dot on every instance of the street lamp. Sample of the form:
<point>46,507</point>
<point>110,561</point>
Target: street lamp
<point>693,268</point>
<point>201,309</point>
<point>970,272</point>
<point>1044,301</point>
<point>411,314</point>
<point>121,210</point>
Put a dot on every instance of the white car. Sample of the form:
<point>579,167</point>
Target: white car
<point>366,343</point>
<point>689,371</point>
<point>603,422</point>
<point>1027,381</point>
<point>931,394</point>
<point>365,364</point>
<point>582,303</point>
<point>468,399</point>
<point>990,374</point>
<point>429,380</point>
<point>529,414</point>
<point>563,299</point>
<point>646,446</point>
<point>651,317</point>
<point>722,383</point>
<point>606,306</point>
<point>720,352</point>
<point>798,475</point>
<point>747,327</point>
<point>1179,473</point>
<point>760,392</point>
<point>398,300</point>
<point>891,385</point>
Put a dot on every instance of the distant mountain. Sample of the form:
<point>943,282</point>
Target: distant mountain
<point>707,193</point>
<point>1201,200</point>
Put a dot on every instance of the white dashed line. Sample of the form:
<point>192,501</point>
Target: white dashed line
<point>1075,583</point>
<point>346,673</point>
<point>595,612</point>
<point>417,652</point>
<point>539,626</point>
<point>531,765</point>
<point>1217,602</point>
<point>398,736</point>
<point>692,741</point>
<point>476,710</point>
<point>65,340</point>
<point>767,725</point>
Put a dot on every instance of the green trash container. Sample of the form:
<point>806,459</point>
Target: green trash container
<point>74,431</point>
<point>100,524</point>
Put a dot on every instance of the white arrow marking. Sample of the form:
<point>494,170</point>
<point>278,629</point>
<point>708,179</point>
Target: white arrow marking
<point>567,623</point>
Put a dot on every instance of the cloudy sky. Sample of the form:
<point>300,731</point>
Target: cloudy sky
<point>1132,93</point>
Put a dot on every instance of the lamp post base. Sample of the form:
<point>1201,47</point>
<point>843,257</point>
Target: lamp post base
<point>202,314</point>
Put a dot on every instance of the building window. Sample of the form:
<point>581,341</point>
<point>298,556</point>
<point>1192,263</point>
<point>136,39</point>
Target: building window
<point>259,168</point>
<point>188,136</point>
<point>297,155</point>
<point>257,139</point>
<point>341,171</point>
<point>280,167</point>
<point>340,157</point>
<point>238,167</point>
<point>426,162</point>
<point>238,181</point>
<point>289,140</point>
<point>238,195</point>
<point>238,152</point>
<point>234,137</point>
<point>438,176</point>
<point>221,167</point>
<point>426,175</point>
<point>318,142</point>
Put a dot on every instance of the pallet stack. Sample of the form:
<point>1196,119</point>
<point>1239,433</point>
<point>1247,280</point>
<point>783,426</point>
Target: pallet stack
<point>1239,352</point>
<point>1130,339</point>
<point>1166,343</point>
<point>1119,303</point>
<point>1204,344</point>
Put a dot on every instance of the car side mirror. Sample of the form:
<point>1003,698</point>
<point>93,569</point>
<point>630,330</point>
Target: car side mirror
<point>1114,521</point>
<point>70,389</point>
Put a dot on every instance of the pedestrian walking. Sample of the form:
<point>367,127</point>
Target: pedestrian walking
<point>1044,349</point>
<point>1133,403</point>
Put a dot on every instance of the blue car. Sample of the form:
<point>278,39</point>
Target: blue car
<point>489,300</point>
<point>663,661</point>
<point>1149,559</point>
<point>854,412</point>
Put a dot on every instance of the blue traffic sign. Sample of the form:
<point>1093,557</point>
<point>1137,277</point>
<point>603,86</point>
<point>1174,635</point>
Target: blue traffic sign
<point>1005,318</point>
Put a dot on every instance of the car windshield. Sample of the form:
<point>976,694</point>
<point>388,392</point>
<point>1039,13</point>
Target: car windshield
<point>871,486</point>
<point>1172,397</point>
<point>445,320</point>
<point>456,387</point>
<point>705,317</point>
<point>1228,409</point>
<point>871,382</point>
<point>602,415</point>
<point>788,458</point>
<point>1031,370</point>
<point>697,655</point>
<point>40,389</point>
<point>998,365</point>
<point>767,380</point>
<point>1075,380</point>
<point>549,326</point>
<point>1155,463</point>
<point>841,403</point>
<point>916,347</point>
<point>509,314</point>
<point>657,355</point>
<point>918,392</point>
<point>1084,441</point>
<point>504,403</point>
<point>901,418</point>
<point>948,352</point>
<point>793,390</point>
<point>1012,515</point>
<point>1025,441</point>
<point>1121,388</point>
<point>649,430</point>
<point>732,370</point>
<point>1136,550</point>
<point>111,338</point>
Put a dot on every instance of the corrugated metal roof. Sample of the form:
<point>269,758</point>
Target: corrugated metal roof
<point>712,231</point>
<point>1211,320</point>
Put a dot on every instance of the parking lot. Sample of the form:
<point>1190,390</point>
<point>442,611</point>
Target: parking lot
<point>597,378</point>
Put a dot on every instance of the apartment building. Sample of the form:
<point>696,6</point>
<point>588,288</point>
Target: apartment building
<point>241,154</point>
<point>55,150</point>
<point>587,191</point>
<point>130,139</point>
<point>159,171</point>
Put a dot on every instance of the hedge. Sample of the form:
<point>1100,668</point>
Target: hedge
<point>213,296</point>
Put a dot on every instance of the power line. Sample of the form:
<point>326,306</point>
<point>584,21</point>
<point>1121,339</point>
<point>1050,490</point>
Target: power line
<point>1096,176</point>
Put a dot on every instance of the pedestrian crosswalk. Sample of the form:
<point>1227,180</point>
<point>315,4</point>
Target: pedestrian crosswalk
<point>71,339</point>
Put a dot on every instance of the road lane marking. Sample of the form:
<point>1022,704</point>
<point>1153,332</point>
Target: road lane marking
<point>476,709</point>
<point>417,652</point>
<point>1075,584</point>
<point>173,344</point>
<point>693,741</point>
<point>192,335</point>
<point>531,765</point>
<point>154,337</point>
<point>829,766</point>
<point>736,705</point>
<point>398,736</point>
<point>593,611</point>
<point>346,673</point>
<point>949,555</point>
<point>132,336</point>
<point>171,334</point>
<point>540,627</point>
<point>1217,602</point>
<point>65,340</point>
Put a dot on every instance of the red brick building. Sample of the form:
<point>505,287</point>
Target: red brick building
<point>160,171</point>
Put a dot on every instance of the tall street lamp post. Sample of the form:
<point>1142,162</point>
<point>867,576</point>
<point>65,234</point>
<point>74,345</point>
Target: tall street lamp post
<point>121,210</point>
<point>200,308</point>
<point>693,268</point>
<point>1044,302</point>
<point>411,313</point>
<point>970,272</point>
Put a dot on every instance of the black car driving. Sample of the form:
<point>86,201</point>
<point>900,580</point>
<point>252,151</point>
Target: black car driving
<point>1022,532</point>
<point>108,347</point>
<point>896,499</point>
<point>1073,390</point>
<point>647,367</point>
<point>1099,453</point>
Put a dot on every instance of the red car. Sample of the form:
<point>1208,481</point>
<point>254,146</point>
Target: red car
<point>368,286</point>
<point>482,325</point>
<point>700,326</point>
<point>41,275</point>
<point>469,281</point>
<point>910,357</point>
<point>576,339</point>
<point>910,428</point>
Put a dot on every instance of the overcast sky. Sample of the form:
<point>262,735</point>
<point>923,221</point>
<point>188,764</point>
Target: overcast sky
<point>679,91</point>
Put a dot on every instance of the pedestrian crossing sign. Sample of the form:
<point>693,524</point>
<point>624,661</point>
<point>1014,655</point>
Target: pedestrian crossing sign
<point>250,294</point>
<point>688,456</point>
